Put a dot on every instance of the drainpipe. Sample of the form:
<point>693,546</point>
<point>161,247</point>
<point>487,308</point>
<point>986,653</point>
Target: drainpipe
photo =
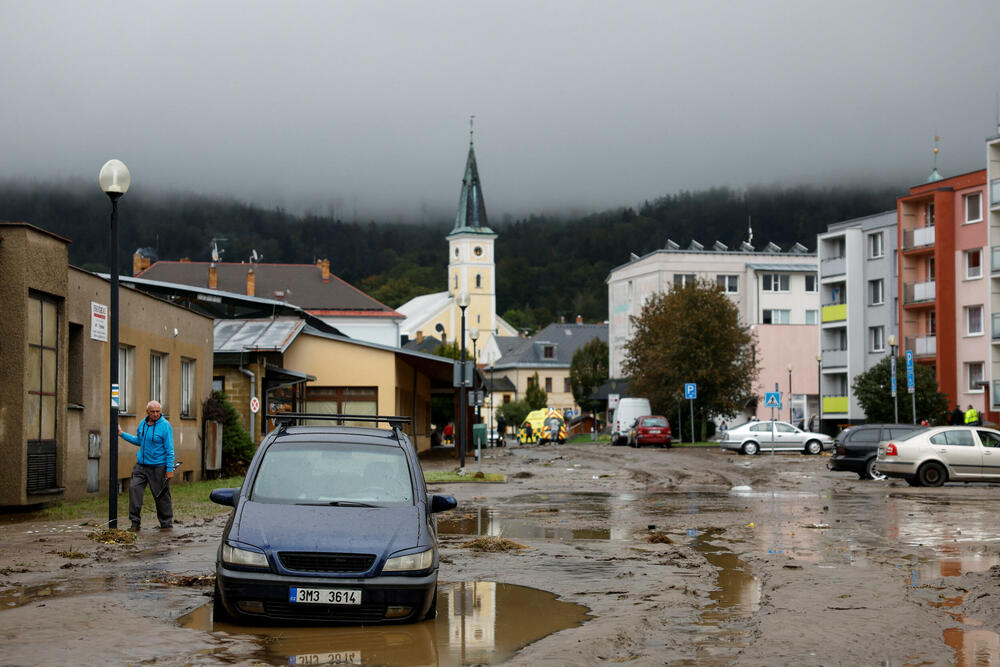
<point>253,392</point>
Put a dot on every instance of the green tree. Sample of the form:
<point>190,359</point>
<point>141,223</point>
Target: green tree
<point>691,334</point>
<point>535,396</point>
<point>451,351</point>
<point>237,445</point>
<point>514,413</point>
<point>873,389</point>
<point>588,370</point>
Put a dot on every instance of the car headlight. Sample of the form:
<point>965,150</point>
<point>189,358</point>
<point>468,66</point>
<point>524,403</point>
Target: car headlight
<point>420,561</point>
<point>243,557</point>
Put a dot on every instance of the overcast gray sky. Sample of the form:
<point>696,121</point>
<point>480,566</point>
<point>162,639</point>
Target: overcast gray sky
<point>578,105</point>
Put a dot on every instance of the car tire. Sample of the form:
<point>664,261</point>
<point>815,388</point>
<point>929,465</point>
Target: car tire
<point>932,474</point>
<point>871,469</point>
<point>750,448</point>
<point>219,613</point>
<point>911,480</point>
<point>432,611</point>
<point>813,447</point>
<point>617,442</point>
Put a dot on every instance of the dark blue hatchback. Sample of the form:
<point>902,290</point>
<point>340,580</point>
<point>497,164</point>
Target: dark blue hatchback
<point>332,524</point>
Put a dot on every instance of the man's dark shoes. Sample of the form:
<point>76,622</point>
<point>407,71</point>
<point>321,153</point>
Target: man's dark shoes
<point>134,528</point>
<point>169,526</point>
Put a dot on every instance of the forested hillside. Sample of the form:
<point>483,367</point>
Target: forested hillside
<point>546,266</point>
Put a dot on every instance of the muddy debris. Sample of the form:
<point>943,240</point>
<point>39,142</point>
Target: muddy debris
<point>492,543</point>
<point>112,536</point>
<point>177,580</point>
<point>659,537</point>
<point>71,553</point>
<point>524,474</point>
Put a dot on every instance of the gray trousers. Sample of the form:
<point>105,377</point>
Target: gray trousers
<point>159,485</point>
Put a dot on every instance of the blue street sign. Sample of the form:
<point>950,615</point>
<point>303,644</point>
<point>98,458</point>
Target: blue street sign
<point>909,371</point>
<point>691,390</point>
<point>772,399</point>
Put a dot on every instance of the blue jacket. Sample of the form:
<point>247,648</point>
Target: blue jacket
<point>155,442</point>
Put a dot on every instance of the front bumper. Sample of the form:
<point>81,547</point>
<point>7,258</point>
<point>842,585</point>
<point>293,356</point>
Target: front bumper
<point>264,595</point>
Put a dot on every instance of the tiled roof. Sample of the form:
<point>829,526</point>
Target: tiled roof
<point>299,284</point>
<point>561,339</point>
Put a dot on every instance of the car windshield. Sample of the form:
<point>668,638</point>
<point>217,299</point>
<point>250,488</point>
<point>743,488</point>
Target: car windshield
<point>342,474</point>
<point>654,421</point>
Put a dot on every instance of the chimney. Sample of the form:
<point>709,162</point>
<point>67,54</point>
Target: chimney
<point>324,265</point>
<point>139,263</point>
<point>420,336</point>
<point>251,280</point>
<point>213,276</point>
<point>579,319</point>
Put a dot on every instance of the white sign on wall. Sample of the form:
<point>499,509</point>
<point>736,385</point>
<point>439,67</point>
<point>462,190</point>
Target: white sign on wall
<point>98,321</point>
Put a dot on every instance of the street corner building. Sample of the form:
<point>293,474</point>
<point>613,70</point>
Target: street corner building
<point>55,396</point>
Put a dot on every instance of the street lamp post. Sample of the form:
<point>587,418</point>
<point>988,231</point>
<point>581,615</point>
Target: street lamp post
<point>790,394</point>
<point>115,181</point>
<point>463,300</point>
<point>892,378</point>
<point>819,390</point>
<point>493,415</point>
<point>474,336</point>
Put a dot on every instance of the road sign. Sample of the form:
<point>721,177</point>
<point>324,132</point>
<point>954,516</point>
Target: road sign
<point>114,396</point>
<point>909,371</point>
<point>772,399</point>
<point>691,390</point>
<point>254,405</point>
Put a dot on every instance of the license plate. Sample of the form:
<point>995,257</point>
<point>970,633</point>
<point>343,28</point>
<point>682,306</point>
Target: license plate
<point>325,595</point>
<point>335,658</point>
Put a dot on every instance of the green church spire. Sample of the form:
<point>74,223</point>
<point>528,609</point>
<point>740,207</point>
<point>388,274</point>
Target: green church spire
<point>471,215</point>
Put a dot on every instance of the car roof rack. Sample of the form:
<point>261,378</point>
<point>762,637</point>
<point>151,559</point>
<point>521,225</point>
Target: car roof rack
<point>284,419</point>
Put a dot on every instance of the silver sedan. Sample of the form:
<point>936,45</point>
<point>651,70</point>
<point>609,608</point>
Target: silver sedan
<point>757,436</point>
<point>942,454</point>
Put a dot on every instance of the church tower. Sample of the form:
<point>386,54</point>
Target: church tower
<point>471,259</point>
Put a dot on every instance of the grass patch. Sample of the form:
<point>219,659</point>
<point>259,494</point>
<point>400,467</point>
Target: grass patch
<point>584,439</point>
<point>442,476</point>
<point>696,444</point>
<point>189,500</point>
<point>492,543</point>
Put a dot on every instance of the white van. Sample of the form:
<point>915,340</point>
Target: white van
<point>628,410</point>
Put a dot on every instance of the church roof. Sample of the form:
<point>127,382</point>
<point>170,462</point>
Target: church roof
<point>421,308</point>
<point>471,215</point>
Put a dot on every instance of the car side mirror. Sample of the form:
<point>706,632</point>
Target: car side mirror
<point>223,496</point>
<point>442,503</point>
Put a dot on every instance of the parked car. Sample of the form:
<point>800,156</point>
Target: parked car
<point>754,437</point>
<point>933,456</point>
<point>628,410</point>
<point>650,430</point>
<point>855,449</point>
<point>332,524</point>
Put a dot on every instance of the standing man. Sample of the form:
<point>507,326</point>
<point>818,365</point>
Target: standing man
<point>501,430</point>
<point>957,416</point>
<point>971,416</point>
<point>154,466</point>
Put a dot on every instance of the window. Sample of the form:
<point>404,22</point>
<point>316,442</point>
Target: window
<point>477,251</point>
<point>974,263</point>
<point>219,383</point>
<point>479,281</point>
<point>126,373</point>
<point>42,373</point>
<point>187,387</point>
<point>932,322</point>
<point>682,279</point>
<point>812,317</point>
<point>929,214</point>
<point>974,372</point>
<point>775,282</point>
<point>876,292</point>
<point>954,438</point>
<point>548,385</point>
<point>865,435</point>
<point>974,320</point>
<point>974,207</point>
<point>157,378</point>
<point>549,352</point>
<point>876,338</point>
<point>811,285</point>
<point>776,316</point>
<point>876,247</point>
<point>728,284</point>
<point>567,387</point>
<point>341,401</point>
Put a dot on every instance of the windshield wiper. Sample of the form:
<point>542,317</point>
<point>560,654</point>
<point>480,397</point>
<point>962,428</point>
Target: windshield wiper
<point>339,503</point>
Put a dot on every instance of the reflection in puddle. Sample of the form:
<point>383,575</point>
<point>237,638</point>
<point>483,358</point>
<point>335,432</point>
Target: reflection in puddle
<point>487,521</point>
<point>973,646</point>
<point>478,623</point>
<point>19,596</point>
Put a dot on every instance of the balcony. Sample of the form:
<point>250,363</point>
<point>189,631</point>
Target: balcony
<point>917,293</point>
<point>922,346</point>
<point>833,266</point>
<point>995,394</point>
<point>995,260</point>
<point>834,404</point>
<point>834,358</point>
<point>835,312</point>
<point>995,192</point>
<point>920,237</point>
<point>996,327</point>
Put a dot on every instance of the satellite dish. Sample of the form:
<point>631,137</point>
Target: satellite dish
<point>254,257</point>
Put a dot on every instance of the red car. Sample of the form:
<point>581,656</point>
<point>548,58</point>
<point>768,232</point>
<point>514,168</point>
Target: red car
<point>650,430</point>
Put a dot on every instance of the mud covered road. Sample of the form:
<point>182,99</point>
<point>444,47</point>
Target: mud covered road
<point>642,557</point>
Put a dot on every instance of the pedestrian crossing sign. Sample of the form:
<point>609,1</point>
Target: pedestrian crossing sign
<point>772,399</point>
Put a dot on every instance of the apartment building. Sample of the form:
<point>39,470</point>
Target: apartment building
<point>775,291</point>
<point>993,181</point>
<point>858,292</point>
<point>943,235</point>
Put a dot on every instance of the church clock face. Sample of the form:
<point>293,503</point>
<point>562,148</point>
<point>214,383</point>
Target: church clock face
<point>478,251</point>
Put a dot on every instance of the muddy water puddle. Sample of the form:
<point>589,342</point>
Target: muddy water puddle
<point>489,521</point>
<point>479,622</point>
